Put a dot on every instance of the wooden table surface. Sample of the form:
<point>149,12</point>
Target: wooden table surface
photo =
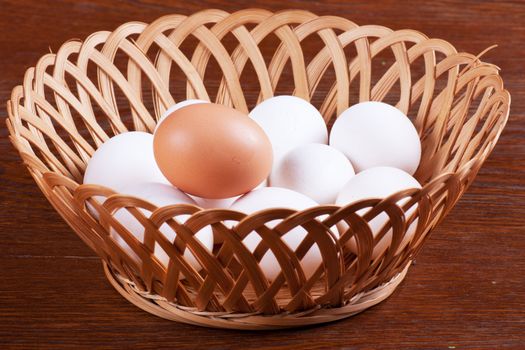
<point>466,290</point>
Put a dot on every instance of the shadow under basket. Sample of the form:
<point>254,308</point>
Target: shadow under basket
<point>113,82</point>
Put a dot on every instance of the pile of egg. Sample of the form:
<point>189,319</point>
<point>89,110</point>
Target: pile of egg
<point>280,156</point>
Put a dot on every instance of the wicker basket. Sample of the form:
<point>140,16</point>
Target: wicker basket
<point>112,82</point>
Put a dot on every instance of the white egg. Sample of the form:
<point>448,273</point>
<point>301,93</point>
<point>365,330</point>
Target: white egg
<point>374,134</point>
<point>178,106</point>
<point>207,203</point>
<point>160,195</point>
<point>275,197</point>
<point>261,185</point>
<point>316,170</point>
<point>289,122</point>
<point>122,161</point>
<point>379,182</point>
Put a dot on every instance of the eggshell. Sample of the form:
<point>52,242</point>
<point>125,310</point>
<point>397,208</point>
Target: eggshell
<point>178,106</point>
<point>212,151</point>
<point>122,161</point>
<point>316,170</point>
<point>207,203</point>
<point>378,182</point>
<point>275,197</point>
<point>225,203</point>
<point>375,134</point>
<point>289,121</point>
<point>160,195</point>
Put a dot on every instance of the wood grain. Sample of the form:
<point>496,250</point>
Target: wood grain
<point>466,290</point>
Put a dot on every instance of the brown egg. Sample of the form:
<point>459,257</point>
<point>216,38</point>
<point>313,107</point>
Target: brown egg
<point>212,151</point>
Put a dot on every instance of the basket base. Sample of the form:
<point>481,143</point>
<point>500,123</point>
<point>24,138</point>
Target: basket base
<point>160,307</point>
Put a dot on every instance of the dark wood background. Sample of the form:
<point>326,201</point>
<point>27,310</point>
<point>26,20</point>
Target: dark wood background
<point>466,290</point>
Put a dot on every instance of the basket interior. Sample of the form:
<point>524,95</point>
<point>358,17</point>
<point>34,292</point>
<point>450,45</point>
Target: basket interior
<point>113,82</point>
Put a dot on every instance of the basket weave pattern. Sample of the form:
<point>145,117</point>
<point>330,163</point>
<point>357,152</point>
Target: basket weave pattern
<point>77,98</point>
